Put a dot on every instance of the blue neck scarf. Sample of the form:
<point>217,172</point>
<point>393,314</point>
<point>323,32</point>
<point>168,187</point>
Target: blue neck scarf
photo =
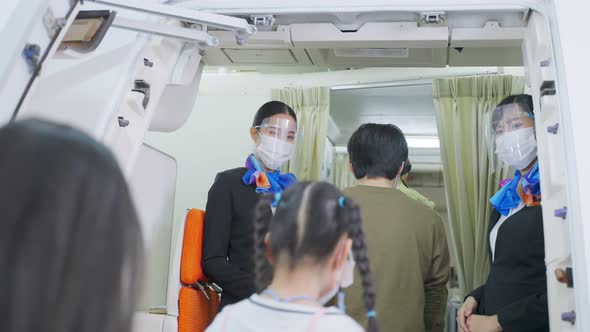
<point>266,182</point>
<point>521,189</point>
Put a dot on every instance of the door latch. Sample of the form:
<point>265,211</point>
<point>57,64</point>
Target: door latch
<point>142,87</point>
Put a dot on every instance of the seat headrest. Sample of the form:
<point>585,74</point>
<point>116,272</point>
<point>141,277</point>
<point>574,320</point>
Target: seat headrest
<point>191,271</point>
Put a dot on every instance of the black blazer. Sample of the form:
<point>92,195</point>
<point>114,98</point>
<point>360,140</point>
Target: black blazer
<point>516,289</point>
<point>228,239</point>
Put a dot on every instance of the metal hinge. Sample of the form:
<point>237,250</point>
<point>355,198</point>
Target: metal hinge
<point>433,17</point>
<point>53,24</point>
<point>263,20</point>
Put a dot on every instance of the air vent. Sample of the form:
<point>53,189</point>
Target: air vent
<point>372,52</point>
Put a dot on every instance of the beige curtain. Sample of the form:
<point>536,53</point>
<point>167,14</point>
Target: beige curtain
<point>312,106</point>
<point>343,177</point>
<point>461,105</point>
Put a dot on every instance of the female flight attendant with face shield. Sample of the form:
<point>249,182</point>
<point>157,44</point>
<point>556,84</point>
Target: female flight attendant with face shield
<point>228,240</point>
<point>514,297</point>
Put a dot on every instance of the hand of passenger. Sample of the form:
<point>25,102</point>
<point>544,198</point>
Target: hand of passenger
<point>477,323</point>
<point>466,310</point>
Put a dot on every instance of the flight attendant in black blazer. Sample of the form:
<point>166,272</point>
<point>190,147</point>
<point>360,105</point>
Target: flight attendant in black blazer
<point>228,240</point>
<point>514,297</point>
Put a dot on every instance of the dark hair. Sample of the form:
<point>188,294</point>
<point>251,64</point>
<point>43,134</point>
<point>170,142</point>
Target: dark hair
<point>272,108</point>
<point>309,222</point>
<point>377,151</point>
<point>524,101</point>
<point>70,242</point>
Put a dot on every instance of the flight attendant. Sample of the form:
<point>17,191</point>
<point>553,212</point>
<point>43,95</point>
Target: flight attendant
<point>228,241</point>
<point>514,297</point>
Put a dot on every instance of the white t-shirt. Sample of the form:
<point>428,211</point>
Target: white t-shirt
<point>261,314</point>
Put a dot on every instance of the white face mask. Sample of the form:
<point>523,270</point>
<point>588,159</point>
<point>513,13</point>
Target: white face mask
<point>345,279</point>
<point>273,152</point>
<point>517,148</point>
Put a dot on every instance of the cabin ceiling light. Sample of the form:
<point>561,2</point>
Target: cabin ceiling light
<point>423,142</point>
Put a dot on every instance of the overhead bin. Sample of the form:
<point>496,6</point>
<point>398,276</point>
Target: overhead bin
<point>265,47</point>
<point>281,38</point>
<point>373,45</point>
<point>324,45</point>
<point>370,35</point>
<point>491,45</point>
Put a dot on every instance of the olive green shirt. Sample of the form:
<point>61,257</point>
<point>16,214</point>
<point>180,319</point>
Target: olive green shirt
<point>409,260</point>
<point>415,195</point>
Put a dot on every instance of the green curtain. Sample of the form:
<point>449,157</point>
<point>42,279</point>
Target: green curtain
<point>343,177</point>
<point>312,106</point>
<point>461,104</point>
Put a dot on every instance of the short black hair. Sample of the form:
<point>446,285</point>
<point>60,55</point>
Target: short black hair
<point>70,241</point>
<point>523,100</point>
<point>377,151</point>
<point>272,108</point>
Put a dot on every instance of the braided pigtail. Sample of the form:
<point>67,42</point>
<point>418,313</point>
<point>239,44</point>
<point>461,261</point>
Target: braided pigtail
<point>359,248</point>
<point>262,218</point>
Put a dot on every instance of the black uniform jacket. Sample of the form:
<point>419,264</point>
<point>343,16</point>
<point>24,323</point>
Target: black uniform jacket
<point>516,289</point>
<point>228,239</point>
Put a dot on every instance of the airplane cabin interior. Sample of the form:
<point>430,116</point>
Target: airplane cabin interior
<point>171,87</point>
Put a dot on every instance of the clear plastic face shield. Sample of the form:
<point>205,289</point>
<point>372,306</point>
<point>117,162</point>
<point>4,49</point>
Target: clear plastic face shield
<point>510,131</point>
<point>277,138</point>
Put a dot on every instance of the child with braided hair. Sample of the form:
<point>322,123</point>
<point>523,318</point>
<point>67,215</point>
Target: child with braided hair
<point>303,258</point>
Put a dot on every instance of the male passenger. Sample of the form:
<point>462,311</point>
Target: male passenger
<point>406,238</point>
